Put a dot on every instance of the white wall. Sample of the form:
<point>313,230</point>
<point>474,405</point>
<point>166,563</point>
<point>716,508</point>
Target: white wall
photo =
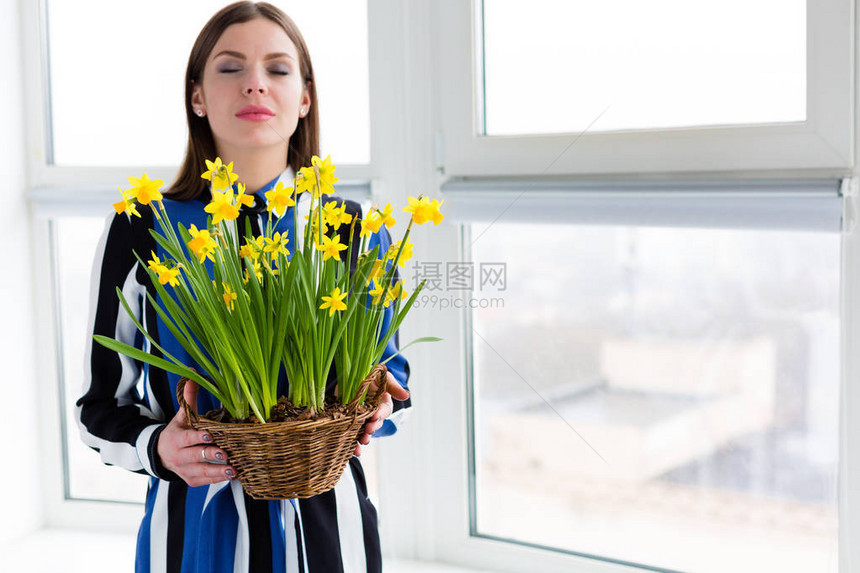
<point>19,476</point>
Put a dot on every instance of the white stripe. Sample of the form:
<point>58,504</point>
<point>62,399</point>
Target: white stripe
<point>288,518</point>
<point>400,417</point>
<point>158,530</point>
<point>350,530</point>
<point>212,492</point>
<point>116,453</point>
<point>241,557</point>
<point>155,407</point>
<point>126,331</point>
<point>142,448</point>
<point>298,510</point>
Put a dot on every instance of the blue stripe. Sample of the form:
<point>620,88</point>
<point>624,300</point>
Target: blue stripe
<point>141,561</point>
<point>217,545</point>
<point>194,498</point>
<point>279,547</point>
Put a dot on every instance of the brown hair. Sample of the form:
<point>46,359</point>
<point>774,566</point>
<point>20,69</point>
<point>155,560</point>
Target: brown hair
<point>303,144</point>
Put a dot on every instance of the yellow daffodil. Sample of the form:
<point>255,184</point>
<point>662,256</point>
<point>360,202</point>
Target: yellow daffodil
<point>154,264</point>
<point>252,248</point>
<point>221,176</point>
<point>371,224</point>
<point>277,244</point>
<point>387,219</point>
<point>404,256</point>
<point>321,173</point>
<point>394,293</point>
<point>331,248</point>
<point>169,276</point>
<point>202,244</point>
<point>376,292</point>
<point>336,216</point>
<point>314,225</point>
<point>345,218</point>
<point>303,184</point>
<point>229,296</point>
<point>222,207</point>
<point>258,272</point>
<point>437,215</point>
<point>334,302</point>
<point>279,199</point>
<point>423,210</point>
<point>377,271</point>
<point>145,190</point>
<point>331,214</point>
<point>242,198</point>
<point>165,274</point>
<point>127,204</point>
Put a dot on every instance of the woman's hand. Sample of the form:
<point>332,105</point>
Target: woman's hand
<point>386,407</point>
<point>189,453</point>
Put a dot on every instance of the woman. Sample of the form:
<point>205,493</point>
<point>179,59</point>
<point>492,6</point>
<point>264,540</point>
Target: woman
<point>251,100</point>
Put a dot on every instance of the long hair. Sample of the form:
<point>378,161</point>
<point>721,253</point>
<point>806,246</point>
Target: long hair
<point>303,144</point>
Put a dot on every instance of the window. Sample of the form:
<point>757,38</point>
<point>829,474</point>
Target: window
<point>664,397</point>
<point>108,109</point>
<point>625,87</point>
<point>620,65</point>
<point>117,91</point>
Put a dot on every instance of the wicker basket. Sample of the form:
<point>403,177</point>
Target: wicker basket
<point>294,458</point>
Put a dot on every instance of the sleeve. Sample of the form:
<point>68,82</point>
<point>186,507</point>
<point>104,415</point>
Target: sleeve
<point>111,416</point>
<point>398,366</point>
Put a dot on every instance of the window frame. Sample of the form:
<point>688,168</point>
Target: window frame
<point>53,191</point>
<point>825,141</point>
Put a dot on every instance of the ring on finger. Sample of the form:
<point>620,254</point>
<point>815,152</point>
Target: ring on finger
<point>203,452</point>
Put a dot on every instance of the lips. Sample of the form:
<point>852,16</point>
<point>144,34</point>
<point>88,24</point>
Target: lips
<point>255,112</point>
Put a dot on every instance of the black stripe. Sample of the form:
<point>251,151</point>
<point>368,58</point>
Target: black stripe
<point>322,541</point>
<point>175,524</point>
<point>301,550</point>
<point>260,552</point>
<point>369,519</point>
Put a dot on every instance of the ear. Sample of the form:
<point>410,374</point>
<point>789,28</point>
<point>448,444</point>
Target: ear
<point>197,99</point>
<point>306,100</point>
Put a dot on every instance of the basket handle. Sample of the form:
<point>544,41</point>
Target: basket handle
<point>190,414</point>
<point>380,388</point>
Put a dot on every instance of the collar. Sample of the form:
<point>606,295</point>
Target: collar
<point>260,195</point>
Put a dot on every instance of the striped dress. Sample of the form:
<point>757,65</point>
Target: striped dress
<point>126,404</point>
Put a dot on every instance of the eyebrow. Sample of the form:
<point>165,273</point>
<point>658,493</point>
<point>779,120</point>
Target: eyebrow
<point>241,56</point>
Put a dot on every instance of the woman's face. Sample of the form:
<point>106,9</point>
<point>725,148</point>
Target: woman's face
<point>252,91</point>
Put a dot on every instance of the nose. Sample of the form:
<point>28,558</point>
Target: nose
<point>255,84</point>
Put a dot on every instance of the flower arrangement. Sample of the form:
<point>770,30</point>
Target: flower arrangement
<point>245,308</point>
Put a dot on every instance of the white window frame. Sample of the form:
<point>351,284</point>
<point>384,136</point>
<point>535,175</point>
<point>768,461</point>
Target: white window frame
<point>429,514</point>
<point>825,141</point>
<point>53,191</point>
<point>423,130</point>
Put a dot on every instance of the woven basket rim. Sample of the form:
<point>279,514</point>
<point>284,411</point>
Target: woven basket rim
<point>353,408</point>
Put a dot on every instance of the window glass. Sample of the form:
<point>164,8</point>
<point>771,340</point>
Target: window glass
<point>117,80</point>
<point>559,66</point>
<point>662,396</point>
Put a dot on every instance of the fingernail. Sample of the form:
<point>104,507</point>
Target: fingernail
<point>229,473</point>
<point>207,438</point>
<point>219,456</point>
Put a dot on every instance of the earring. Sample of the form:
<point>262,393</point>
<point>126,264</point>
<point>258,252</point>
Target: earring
<point>302,112</point>
<point>200,112</point>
